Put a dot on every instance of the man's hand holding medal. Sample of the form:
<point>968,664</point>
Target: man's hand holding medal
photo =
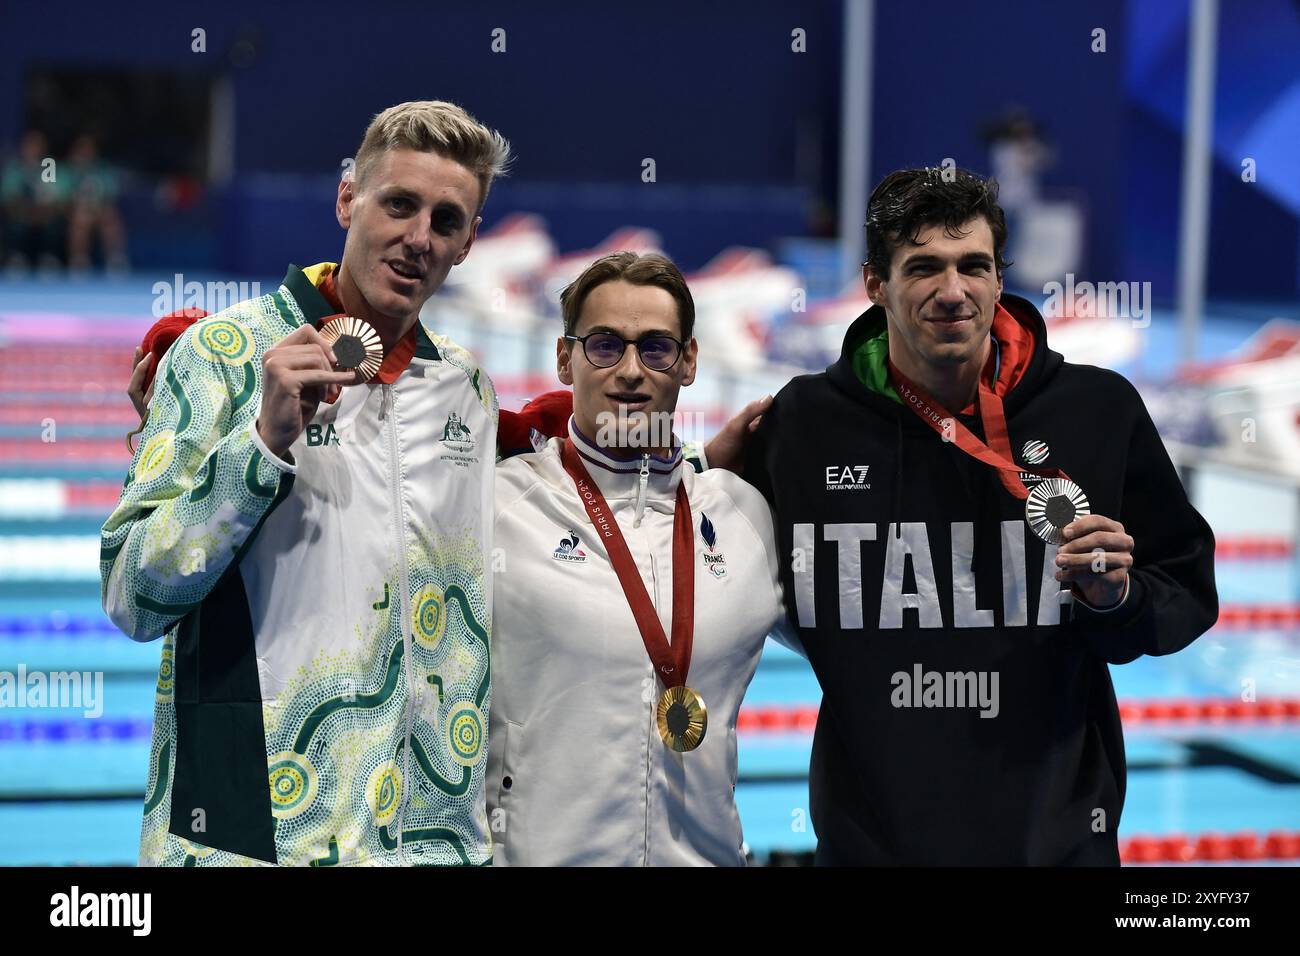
<point>298,373</point>
<point>1095,558</point>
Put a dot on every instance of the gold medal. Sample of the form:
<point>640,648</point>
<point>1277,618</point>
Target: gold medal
<point>682,718</point>
<point>681,715</point>
<point>356,345</point>
<point>1052,504</point>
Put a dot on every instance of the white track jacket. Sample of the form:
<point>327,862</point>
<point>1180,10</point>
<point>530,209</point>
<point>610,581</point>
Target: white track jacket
<point>577,772</point>
<point>324,675</point>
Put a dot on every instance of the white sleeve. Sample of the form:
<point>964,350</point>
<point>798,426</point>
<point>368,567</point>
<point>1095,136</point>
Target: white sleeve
<point>758,513</point>
<point>786,633</point>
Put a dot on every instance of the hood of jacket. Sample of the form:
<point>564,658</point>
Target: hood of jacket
<point>1025,363</point>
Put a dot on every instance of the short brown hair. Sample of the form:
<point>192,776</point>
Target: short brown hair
<point>649,269</point>
<point>435,126</point>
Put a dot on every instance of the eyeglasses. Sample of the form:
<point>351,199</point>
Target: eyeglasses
<point>658,353</point>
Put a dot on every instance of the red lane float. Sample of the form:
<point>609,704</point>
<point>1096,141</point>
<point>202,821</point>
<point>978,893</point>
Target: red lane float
<point>1254,617</point>
<point>1244,846</point>
<point>1247,547</point>
<point>802,718</point>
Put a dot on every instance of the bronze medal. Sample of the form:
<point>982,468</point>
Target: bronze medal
<point>357,347</point>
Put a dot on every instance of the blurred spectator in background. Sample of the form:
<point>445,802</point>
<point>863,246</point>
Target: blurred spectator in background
<point>93,190</point>
<point>34,197</point>
<point>1018,154</point>
<point>1047,231</point>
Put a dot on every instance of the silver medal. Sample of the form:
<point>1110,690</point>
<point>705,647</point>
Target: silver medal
<point>1052,504</point>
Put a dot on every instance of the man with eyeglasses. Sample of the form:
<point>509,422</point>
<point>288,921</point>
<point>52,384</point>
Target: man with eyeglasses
<point>609,743</point>
<point>632,597</point>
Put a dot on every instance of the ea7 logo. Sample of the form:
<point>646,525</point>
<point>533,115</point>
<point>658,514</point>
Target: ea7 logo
<point>846,477</point>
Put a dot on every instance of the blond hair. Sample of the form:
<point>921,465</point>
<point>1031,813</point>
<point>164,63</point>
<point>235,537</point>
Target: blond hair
<point>439,127</point>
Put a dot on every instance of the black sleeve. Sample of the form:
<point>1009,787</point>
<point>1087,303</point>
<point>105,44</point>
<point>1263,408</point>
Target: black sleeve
<point>1172,598</point>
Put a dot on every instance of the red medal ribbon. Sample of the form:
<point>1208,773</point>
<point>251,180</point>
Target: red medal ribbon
<point>994,418</point>
<point>671,662</point>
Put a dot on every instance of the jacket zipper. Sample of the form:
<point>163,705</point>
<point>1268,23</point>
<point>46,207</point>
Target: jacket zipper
<point>641,484</point>
<point>399,514</point>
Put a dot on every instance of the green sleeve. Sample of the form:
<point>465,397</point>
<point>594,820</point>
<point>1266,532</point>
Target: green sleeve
<point>200,483</point>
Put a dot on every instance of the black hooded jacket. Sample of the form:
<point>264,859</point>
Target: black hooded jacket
<point>968,715</point>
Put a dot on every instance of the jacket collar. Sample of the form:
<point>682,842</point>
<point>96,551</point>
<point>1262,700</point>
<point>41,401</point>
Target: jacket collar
<point>1027,363</point>
<point>302,286</point>
<point>620,477</point>
<point>309,287</point>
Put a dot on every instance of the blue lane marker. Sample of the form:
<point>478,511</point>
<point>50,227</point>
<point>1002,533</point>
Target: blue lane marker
<point>68,729</point>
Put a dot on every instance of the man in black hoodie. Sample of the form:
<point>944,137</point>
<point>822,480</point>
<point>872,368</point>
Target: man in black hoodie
<point>968,715</point>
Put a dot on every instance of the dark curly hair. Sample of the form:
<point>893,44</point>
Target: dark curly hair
<point>908,200</point>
